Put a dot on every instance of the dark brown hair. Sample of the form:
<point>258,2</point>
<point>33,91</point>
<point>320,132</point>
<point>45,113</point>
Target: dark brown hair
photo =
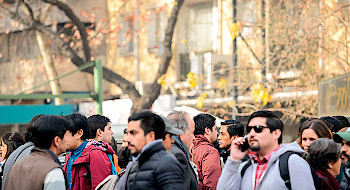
<point>13,140</point>
<point>317,125</point>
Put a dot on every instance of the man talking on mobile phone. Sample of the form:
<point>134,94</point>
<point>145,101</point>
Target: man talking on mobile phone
<point>262,171</point>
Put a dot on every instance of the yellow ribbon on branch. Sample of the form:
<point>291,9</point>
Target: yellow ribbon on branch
<point>260,93</point>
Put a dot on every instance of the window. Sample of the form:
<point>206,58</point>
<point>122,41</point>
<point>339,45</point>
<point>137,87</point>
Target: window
<point>155,27</point>
<point>199,27</point>
<point>247,14</point>
<point>125,35</point>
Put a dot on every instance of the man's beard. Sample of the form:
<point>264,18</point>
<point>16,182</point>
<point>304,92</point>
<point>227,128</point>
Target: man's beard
<point>346,163</point>
<point>255,148</point>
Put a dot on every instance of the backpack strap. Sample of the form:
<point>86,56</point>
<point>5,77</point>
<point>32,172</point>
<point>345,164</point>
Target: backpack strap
<point>245,167</point>
<point>284,170</point>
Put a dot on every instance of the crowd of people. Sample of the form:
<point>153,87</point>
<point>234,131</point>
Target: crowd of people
<point>176,152</point>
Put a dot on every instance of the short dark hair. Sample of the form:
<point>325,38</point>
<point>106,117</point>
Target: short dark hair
<point>149,122</point>
<point>13,140</point>
<point>321,152</point>
<point>344,121</point>
<point>28,136</point>
<point>333,123</point>
<point>47,127</point>
<point>320,127</point>
<point>234,128</point>
<point>272,121</point>
<point>203,121</point>
<point>96,122</point>
<point>79,121</point>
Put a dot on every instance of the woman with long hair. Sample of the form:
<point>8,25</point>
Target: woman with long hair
<point>311,130</point>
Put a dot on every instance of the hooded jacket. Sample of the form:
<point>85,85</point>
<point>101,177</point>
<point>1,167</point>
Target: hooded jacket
<point>180,151</point>
<point>92,167</point>
<point>299,171</point>
<point>207,158</point>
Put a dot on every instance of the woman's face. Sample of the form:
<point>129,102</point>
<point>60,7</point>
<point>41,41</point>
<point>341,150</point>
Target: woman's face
<point>334,170</point>
<point>308,136</point>
<point>3,149</point>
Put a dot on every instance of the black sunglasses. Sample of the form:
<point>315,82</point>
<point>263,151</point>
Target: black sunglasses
<point>257,128</point>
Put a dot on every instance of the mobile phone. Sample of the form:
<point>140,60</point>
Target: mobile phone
<point>245,146</point>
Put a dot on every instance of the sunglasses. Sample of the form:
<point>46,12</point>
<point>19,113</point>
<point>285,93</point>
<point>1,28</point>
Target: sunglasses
<point>257,128</point>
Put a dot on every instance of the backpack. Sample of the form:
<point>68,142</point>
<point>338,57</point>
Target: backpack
<point>284,171</point>
<point>109,182</point>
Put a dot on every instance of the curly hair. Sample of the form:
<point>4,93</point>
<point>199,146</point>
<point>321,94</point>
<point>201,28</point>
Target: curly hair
<point>321,152</point>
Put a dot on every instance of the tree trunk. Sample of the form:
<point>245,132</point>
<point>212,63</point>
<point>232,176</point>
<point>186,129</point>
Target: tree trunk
<point>152,94</point>
<point>49,67</point>
<point>144,102</point>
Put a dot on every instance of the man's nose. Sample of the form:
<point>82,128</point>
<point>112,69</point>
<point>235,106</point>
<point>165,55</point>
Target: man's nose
<point>343,149</point>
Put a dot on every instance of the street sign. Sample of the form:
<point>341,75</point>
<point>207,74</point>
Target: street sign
<point>334,96</point>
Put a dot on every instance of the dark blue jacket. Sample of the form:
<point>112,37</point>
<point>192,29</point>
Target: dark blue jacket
<point>156,169</point>
<point>181,153</point>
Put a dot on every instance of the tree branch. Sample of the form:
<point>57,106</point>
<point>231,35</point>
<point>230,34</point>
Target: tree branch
<point>154,91</point>
<point>76,21</point>
<point>108,75</point>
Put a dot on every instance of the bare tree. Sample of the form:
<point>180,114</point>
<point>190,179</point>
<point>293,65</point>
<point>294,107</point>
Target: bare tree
<point>139,102</point>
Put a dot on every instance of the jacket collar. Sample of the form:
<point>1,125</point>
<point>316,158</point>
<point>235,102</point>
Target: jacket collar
<point>182,146</point>
<point>47,153</point>
<point>201,140</point>
<point>150,149</point>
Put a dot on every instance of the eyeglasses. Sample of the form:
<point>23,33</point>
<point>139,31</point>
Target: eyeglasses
<point>257,128</point>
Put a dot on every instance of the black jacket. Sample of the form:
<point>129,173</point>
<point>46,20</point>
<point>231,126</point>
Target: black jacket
<point>181,153</point>
<point>156,169</point>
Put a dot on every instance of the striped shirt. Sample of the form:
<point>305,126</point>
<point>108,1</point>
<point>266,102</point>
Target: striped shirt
<point>54,180</point>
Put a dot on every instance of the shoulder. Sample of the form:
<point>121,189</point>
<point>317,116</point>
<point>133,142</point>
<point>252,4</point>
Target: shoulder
<point>54,179</point>
<point>175,149</point>
<point>167,160</point>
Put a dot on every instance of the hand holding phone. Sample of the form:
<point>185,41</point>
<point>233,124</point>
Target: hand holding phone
<point>245,146</point>
<point>239,148</point>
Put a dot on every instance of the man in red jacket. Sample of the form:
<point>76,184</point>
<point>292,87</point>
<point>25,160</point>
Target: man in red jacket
<point>90,161</point>
<point>205,155</point>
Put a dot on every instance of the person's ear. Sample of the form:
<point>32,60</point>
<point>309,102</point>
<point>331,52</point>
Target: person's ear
<point>151,136</point>
<point>55,141</point>
<point>181,137</point>
<point>80,133</point>
<point>330,165</point>
<point>207,131</point>
<point>99,133</point>
<point>233,137</point>
<point>276,134</point>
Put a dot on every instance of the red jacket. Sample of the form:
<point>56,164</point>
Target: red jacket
<point>92,167</point>
<point>207,158</point>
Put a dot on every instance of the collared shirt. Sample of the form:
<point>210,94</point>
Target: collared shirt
<point>262,164</point>
<point>73,157</point>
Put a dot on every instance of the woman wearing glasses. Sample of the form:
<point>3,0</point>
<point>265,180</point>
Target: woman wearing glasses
<point>311,130</point>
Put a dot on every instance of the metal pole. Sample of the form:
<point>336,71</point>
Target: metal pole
<point>266,32</point>
<point>234,58</point>
<point>98,86</point>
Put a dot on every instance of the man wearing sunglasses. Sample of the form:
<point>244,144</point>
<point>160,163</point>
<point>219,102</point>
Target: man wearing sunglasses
<point>263,172</point>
